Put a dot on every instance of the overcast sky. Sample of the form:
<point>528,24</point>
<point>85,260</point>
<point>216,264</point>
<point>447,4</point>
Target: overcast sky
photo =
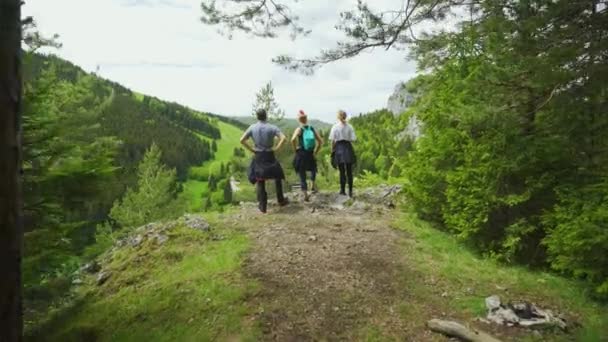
<point>160,48</point>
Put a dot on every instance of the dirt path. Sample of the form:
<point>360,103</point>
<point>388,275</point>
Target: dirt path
<point>328,270</point>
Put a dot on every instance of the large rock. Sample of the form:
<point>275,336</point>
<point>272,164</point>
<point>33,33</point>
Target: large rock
<point>398,103</point>
<point>400,100</point>
<point>103,277</point>
<point>413,130</point>
<point>522,314</point>
<point>91,267</point>
<point>196,222</point>
<point>135,241</point>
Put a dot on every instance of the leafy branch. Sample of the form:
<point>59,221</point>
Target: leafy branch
<point>261,18</point>
<point>365,28</point>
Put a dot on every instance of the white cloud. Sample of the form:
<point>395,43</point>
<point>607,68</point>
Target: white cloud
<point>159,47</point>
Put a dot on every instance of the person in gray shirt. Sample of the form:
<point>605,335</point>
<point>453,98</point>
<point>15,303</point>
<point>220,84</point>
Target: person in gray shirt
<point>264,165</point>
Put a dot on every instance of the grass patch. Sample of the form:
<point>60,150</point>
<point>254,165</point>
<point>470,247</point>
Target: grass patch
<point>469,279</point>
<point>194,192</point>
<point>195,189</point>
<point>190,289</point>
<point>138,96</point>
<point>225,150</point>
<point>374,334</point>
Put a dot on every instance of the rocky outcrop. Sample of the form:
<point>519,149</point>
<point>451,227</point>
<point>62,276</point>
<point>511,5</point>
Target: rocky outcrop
<point>522,314</point>
<point>413,129</point>
<point>400,100</point>
<point>147,237</point>
<point>196,222</point>
<point>398,103</point>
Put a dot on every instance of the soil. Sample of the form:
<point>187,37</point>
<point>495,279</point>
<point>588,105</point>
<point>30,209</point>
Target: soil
<point>330,269</point>
<point>334,269</point>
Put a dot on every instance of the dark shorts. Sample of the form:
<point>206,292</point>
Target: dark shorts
<point>304,161</point>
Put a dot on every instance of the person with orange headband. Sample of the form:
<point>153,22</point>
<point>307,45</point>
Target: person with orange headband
<point>342,136</point>
<point>306,144</point>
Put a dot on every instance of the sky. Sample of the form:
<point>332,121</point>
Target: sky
<point>160,48</point>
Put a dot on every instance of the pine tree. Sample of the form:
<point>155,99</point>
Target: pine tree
<point>228,192</point>
<point>66,157</point>
<point>212,183</point>
<point>264,99</point>
<point>153,197</point>
<point>214,146</point>
<point>208,204</point>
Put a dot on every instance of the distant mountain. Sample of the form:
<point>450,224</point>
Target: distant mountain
<point>285,124</point>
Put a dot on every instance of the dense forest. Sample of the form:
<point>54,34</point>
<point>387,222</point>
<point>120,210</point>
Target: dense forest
<point>514,152</point>
<point>88,143</point>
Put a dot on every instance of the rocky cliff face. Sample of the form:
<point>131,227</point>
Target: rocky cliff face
<point>413,129</point>
<point>400,100</point>
<point>398,103</point>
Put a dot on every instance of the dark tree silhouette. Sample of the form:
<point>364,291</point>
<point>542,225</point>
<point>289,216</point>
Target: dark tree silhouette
<point>11,322</point>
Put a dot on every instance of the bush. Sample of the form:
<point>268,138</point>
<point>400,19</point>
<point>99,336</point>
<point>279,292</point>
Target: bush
<point>578,239</point>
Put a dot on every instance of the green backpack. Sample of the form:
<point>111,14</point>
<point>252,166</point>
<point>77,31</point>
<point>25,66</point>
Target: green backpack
<point>309,139</point>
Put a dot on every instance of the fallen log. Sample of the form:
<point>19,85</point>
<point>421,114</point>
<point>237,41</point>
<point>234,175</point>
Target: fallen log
<point>454,329</point>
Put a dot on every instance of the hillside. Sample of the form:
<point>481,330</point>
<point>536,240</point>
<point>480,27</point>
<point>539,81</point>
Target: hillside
<point>85,139</point>
<point>172,126</point>
<point>196,189</point>
<point>328,270</point>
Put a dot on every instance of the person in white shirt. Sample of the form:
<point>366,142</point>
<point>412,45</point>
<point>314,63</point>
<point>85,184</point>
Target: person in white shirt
<point>342,136</point>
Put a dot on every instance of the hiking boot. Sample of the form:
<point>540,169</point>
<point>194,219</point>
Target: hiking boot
<point>262,210</point>
<point>284,202</point>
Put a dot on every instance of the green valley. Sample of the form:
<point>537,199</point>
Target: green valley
<point>196,189</point>
<point>86,138</point>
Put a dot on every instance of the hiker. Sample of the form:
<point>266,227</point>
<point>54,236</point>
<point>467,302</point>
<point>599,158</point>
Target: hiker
<point>264,165</point>
<point>342,136</point>
<point>306,144</point>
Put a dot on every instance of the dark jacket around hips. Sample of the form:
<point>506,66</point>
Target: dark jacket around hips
<point>344,153</point>
<point>264,166</point>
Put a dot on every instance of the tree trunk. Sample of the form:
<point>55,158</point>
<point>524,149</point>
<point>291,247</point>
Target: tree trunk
<point>11,320</point>
<point>454,329</point>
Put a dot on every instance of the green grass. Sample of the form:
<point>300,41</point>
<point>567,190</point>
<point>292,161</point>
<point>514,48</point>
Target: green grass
<point>195,187</point>
<point>373,334</point>
<point>225,150</point>
<point>190,289</point>
<point>138,96</point>
<point>469,279</point>
<point>194,191</point>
